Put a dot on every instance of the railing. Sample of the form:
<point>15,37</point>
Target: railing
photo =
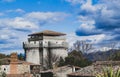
<point>49,44</point>
<point>35,38</point>
<point>31,45</point>
<point>58,45</point>
<point>58,38</point>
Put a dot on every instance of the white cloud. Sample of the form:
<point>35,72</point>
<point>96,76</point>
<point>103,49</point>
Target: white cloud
<point>21,23</point>
<point>32,20</point>
<point>72,37</point>
<point>86,27</point>
<point>12,40</point>
<point>46,16</point>
<point>4,36</point>
<point>1,14</point>
<point>107,13</point>
<point>20,10</point>
<point>88,6</point>
<point>87,24</point>
<point>76,1</point>
<point>13,31</point>
<point>15,10</point>
<point>101,18</point>
<point>18,23</point>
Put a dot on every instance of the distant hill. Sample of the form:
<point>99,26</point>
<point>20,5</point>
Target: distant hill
<point>4,56</point>
<point>102,56</point>
<point>4,59</point>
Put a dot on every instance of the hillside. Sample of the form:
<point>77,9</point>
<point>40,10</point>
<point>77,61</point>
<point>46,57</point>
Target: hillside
<point>102,56</point>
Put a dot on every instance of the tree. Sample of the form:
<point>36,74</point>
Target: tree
<point>4,56</point>
<point>77,59</point>
<point>82,46</point>
<point>70,60</point>
<point>21,56</point>
<point>76,54</point>
<point>61,62</point>
<point>115,56</point>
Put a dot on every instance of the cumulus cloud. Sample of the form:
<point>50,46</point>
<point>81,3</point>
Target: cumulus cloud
<point>76,1</point>
<point>13,31</point>
<point>88,6</point>
<point>49,17</point>
<point>87,29</point>
<point>17,23</point>
<point>32,20</point>
<point>101,17</point>
<point>15,10</point>
<point>93,39</point>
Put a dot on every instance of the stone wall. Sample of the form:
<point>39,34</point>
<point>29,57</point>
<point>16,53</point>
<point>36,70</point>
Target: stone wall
<point>5,68</point>
<point>23,68</point>
<point>32,55</point>
<point>54,44</point>
<point>63,73</point>
<point>15,68</point>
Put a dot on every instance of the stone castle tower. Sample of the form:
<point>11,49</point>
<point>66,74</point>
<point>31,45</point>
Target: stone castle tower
<point>44,43</point>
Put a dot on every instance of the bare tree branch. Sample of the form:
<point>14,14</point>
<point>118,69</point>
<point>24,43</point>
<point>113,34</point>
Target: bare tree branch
<point>82,46</point>
<point>50,59</point>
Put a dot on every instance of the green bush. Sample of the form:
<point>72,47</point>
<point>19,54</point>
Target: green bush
<point>75,58</point>
<point>109,72</point>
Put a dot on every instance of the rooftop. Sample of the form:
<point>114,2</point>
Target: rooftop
<point>7,61</point>
<point>19,75</point>
<point>96,68</point>
<point>84,72</point>
<point>48,33</point>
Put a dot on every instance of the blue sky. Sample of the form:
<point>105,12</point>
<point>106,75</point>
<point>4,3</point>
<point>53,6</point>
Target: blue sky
<point>95,20</point>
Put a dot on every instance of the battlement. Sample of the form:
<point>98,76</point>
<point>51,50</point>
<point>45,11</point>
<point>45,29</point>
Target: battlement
<point>46,45</point>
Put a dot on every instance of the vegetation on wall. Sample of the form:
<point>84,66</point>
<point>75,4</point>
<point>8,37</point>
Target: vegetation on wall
<point>75,58</point>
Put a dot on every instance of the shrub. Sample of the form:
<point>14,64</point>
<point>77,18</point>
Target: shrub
<point>109,72</point>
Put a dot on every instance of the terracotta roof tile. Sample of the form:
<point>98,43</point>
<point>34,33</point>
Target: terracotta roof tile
<point>19,75</point>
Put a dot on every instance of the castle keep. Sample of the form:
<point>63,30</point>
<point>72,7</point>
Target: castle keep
<point>45,43</point>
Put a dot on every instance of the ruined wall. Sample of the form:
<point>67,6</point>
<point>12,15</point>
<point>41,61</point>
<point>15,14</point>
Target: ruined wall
<point>15,68</point>
<point>23,68</point>
<point>63,73</point>
<point>5,68</point>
